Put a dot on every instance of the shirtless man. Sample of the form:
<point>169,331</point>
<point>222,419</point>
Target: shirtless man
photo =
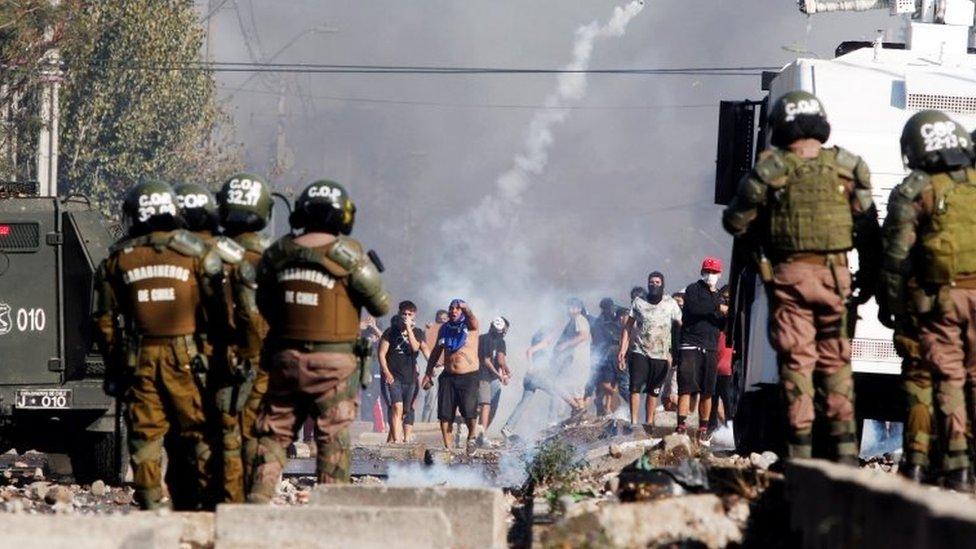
<point>457,388</point>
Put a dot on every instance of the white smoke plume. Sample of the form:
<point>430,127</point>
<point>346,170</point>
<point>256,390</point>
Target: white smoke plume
<point>489,259</point>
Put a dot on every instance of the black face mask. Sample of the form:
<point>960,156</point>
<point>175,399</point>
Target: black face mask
<point>655,294</point>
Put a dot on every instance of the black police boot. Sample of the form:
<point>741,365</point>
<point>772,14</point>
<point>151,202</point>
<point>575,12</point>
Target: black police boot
<point>959,480</point>
<point>913,472</point>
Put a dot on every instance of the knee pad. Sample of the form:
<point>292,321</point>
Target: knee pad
<point>796,384</point>
<point>142,450</point>
<point>269,451</point>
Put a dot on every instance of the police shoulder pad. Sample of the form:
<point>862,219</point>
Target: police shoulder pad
<point>278,253</point>
<point>212,264</point>
<point>771,168</point>
<point>247,274</point>
<point>187,243</point>
<point>128,244</point>
<point>253,242</point>
<point>228,250</point>
<point>345,252</point>
<point>845,159</point>
<point>913,185</point>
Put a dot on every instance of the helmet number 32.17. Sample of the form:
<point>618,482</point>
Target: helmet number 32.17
<point>244,192</point>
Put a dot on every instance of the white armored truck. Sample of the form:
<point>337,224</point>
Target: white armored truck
<point>868,90</point>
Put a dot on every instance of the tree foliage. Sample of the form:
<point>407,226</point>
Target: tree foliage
<point>22,47</point>
<point>134,101</point>
<point>134,105</point>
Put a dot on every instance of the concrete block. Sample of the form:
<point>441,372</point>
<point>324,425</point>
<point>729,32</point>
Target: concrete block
<point>327,527</point>
<point>198,529</point>
<point>698,520</point>
<point>477,515</point>
<point>838,506</point>
<point>143,530</point>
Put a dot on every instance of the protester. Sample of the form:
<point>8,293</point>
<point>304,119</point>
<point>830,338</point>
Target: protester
<point>371,407</point>
<point>538,377</point>
<point>399,346</point>
<point>603,377</point>
<point>494,373</point>
<point>703,316</point>
<point>457,342</point>
<point>571,354</point>
<point>723,384</point>
<point>645,345</point>
<point>669,392</point>
<point>430,395</point>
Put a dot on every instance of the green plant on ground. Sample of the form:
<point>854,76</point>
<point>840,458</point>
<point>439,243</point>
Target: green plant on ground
<point>555,469</point>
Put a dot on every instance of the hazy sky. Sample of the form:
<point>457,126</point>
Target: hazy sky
<point>628,185</point>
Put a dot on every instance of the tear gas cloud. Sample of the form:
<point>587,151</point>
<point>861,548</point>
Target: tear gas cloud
<point>611,176</point>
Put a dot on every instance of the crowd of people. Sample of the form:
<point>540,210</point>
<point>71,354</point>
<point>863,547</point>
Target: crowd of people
<point>660,351</point>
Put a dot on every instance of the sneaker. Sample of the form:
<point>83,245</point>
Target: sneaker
<point>506,433</point>
<point>704,438</point>
<point>481,441</point>
<point>680,429</point>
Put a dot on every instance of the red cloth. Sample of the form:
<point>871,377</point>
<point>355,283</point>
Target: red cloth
<point>724,356</point>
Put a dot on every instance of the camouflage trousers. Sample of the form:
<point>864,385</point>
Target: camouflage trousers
<point>919,392</point>
<point>949,348</point>
<point>165,401</point>
<point>248,418</point>
<point>806,324</point>
<point>227,399</point>
<point>317,384</point>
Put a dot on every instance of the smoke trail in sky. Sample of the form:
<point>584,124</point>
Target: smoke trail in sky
<point>488,257</point>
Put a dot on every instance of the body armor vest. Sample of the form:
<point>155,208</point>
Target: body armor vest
<point>312,297</point>
<point>948,241</point>
<point>159,286</point>
<point>810,210</point>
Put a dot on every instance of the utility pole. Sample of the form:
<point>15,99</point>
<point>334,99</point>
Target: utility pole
<point>47,142</point>
<point>282,157</point>
<point>210,29</point>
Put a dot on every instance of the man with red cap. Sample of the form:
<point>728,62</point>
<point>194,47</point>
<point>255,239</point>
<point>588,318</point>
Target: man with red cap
<point>703,316</point>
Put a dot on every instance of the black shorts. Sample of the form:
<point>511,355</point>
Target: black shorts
<point>401,390</point>
<point>697,372</point>
<point>646,374</point>
<point>457,392</point>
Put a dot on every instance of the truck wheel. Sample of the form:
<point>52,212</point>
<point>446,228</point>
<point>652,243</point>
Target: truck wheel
<point>760,421</point>
<point>101,456</point>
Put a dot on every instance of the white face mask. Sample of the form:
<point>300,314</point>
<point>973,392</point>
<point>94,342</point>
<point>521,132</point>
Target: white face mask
<point>711,279</point>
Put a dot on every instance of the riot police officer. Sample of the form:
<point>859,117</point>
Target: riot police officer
<point>815,205</point>
<point>244,208</point>
<point>226,387</point>
<point>152,291</point>
<point>311,289</point>
<point>929,270</point>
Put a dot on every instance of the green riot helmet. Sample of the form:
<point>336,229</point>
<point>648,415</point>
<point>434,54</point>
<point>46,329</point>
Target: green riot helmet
<point>197,207</point>
<point>798,115</point>
<point>933,142</point>
<point>324,206</point>
<point>150,206</point>
<point>244,203</point>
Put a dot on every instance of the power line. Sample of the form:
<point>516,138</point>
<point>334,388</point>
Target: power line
<point>481,105</point>
<point>304,68</point>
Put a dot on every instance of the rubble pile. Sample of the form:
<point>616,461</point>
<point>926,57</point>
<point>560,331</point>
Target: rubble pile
<point>44,497</point>
<point>596,484</point>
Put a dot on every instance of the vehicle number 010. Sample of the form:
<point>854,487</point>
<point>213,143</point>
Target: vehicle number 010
<point>31,320</point>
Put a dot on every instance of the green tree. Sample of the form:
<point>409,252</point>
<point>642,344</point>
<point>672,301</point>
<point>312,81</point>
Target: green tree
<point>135,102</point>
<point>22,47</point>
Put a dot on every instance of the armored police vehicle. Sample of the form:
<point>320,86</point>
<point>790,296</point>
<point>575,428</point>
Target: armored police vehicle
<point>869,91</point>
<point>51,396</point>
